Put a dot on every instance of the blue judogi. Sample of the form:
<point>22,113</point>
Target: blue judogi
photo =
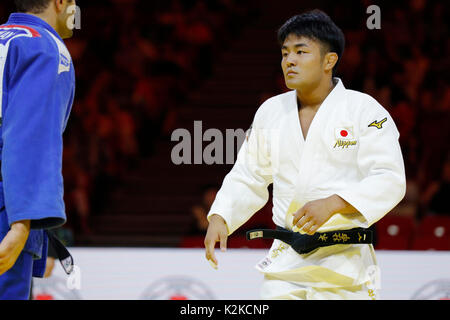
<point>37,84</point>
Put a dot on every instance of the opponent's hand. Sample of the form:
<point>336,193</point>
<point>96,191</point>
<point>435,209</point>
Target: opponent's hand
<point>217,232</point>
<point>13,244</point>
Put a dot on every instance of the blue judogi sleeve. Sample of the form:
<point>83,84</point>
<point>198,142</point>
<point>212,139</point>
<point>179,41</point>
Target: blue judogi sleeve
<point>33,123</point>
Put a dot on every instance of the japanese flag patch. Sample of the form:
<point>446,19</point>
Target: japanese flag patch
<point>344,138</point>
<point>344,133</point>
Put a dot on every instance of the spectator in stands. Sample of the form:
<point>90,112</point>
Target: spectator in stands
<point>436,197</point>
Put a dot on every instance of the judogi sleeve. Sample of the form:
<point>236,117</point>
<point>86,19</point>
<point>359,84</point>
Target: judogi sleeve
<point>33,122</point>
<point>244,189</point>
<point>380,163</point>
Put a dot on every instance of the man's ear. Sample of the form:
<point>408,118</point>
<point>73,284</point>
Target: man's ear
<point>330,60</point>
<point>59,5</point>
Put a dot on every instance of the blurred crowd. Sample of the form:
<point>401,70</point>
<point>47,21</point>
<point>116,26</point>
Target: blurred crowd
<point>135,60</point>
<point>405,66</point>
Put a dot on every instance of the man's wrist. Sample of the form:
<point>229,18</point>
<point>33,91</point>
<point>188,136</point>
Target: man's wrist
<point>219,219</point>
<point>22,227</point>
<point>216,217</point>
<point>336,204</point>
<point>340,205</point>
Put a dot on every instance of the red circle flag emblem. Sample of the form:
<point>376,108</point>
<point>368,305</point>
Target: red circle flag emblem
<point>344,133</point>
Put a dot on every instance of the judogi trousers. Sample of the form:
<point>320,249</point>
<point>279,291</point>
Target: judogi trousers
<point>15,284</point>
<point>273,289</point>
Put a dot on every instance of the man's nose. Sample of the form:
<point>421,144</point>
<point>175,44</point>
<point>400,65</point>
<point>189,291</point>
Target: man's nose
<point>290,60</point>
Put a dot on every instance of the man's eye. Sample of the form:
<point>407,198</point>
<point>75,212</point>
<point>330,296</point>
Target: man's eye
<point>300,52</point>
<point>284,55</point>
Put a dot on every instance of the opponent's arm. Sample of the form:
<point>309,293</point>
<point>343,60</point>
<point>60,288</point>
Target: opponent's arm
<point>32,129</point>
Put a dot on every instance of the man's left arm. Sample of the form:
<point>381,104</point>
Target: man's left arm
<point>315,213</point>
<point>380,162</point>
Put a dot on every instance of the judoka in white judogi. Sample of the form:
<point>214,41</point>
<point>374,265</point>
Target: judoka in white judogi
<point>351,150</point>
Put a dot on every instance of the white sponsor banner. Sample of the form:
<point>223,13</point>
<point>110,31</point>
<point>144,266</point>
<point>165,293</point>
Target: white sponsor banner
<point>135,273</point>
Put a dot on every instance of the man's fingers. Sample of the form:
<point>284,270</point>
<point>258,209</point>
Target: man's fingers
<point>223,242</point>
<point>210,244</point>
<point>217,232</point>
<point>212,259</point>
<point>298,215</point>
<point>308,226</point>
<point>209,247</point>
<point>213,264</point>
<point>313,229</point>
<point>303,221</point>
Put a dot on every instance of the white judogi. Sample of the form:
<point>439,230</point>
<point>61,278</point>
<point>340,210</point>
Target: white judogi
<point>351,150</point>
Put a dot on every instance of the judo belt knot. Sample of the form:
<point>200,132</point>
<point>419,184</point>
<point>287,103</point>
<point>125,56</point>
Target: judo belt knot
<point>304,243</point>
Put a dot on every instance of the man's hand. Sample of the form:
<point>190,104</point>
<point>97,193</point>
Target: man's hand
<point>315,213</point>
<point>50,264</point>
<point>217,232</point>
<point>12,244</point>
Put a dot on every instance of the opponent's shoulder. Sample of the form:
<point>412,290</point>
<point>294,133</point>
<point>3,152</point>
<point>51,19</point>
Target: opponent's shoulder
<point>25,42</point>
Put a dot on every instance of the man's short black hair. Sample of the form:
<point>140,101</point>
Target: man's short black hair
<point>33,6</point>
<point>315,25</point>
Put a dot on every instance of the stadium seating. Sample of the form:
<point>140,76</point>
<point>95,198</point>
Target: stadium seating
<point>433,233</point>
<point>394,232</point>
<point>439,226</point>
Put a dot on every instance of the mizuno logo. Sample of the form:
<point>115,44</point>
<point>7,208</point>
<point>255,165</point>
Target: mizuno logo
<point>377,124</point>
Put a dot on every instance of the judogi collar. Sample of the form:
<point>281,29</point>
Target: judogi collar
<point>29,19</point>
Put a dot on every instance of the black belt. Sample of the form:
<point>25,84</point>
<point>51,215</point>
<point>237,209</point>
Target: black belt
<point>63,254</point>
<point>304,243</point>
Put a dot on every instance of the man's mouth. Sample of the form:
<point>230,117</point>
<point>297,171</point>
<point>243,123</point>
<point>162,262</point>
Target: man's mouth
<point>291,73</point>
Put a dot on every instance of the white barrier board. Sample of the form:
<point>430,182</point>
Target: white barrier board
<point>151,273</point>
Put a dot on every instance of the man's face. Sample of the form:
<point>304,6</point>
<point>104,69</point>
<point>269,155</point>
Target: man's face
<point>66,18</point>
<point>302,62</point>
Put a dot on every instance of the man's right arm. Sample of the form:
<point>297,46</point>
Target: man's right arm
<point>243,192</point>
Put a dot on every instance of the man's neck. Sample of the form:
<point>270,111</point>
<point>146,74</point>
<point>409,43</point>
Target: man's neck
<point>314,98</point>
<point>51,20</point>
